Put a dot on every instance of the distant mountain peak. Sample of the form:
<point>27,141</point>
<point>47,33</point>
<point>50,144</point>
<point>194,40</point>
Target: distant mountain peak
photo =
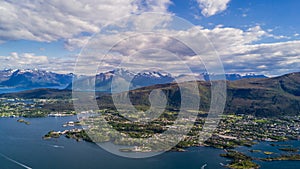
<point>33,78</point>
<point>232,76</point>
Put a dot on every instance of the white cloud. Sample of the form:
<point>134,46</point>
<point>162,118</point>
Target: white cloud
<point>212,7</point>
<point>237,49</point>
<point>228,40</point>
<point>153,5</point>
<point>76,43</point>
<point>51,20</point>
<point>30,60</point>
<point>271,58</point>
<point>24,60</point>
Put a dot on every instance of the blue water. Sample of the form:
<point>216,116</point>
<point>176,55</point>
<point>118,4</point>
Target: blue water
<point>11,90</point>
<point>24,144</point>
<point>266,146</point>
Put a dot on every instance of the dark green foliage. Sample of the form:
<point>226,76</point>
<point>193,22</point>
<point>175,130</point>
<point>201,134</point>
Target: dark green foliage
<point>40,94</point>
<point>289,149</point>
<point>291,157</point>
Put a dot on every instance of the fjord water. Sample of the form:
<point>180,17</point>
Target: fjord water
<point>22,144</point>
<point>21,89</point>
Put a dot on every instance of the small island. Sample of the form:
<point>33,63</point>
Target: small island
<point>291,157</point>
<point>239,160</point>
<point>77,134</point>
<point>268,153</point>
<point>23,121</point>
<point>255,151</point>
<point>289,149</point>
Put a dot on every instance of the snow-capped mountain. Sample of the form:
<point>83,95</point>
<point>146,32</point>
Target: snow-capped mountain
<point>6,73</point>
<point>33,78</point>
<point>251,75</point>
<point>151,78</point>
<point>121,77</point>
<point>232,76</point>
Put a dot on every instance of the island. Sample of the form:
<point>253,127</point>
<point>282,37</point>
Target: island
<point>23,121</point>
<point>291,157</point>
<point>240,161</point>
<point>77,134</point>
<point>289,149</point>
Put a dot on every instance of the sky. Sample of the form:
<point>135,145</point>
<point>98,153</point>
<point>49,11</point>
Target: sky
<point>249,36</point>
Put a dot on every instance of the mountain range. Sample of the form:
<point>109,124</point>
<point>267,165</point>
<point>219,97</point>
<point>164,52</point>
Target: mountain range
<point>34,78</point>
<point>256,96</point>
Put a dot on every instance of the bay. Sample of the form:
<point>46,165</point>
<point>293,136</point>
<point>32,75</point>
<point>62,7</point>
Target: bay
<point>274,148</point>
<point>21,89</point>
<point>22,144</point>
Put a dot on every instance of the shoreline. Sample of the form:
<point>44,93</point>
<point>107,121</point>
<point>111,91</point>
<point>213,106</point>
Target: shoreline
<point>235,155</point>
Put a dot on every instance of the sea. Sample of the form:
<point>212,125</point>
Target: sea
<point>22,146</point>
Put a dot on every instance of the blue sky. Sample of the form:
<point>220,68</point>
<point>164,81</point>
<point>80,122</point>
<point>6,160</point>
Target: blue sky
<point>251,36</point>
<point>280,16</point>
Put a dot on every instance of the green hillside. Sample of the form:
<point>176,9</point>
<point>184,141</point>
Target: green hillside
<point>261,97</point>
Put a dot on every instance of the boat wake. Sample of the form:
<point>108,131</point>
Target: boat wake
<point>57,146</point>
<point>14,161</point>
<point>203,167</point>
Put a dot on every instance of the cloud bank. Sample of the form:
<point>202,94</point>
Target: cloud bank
<point>51,20</point>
